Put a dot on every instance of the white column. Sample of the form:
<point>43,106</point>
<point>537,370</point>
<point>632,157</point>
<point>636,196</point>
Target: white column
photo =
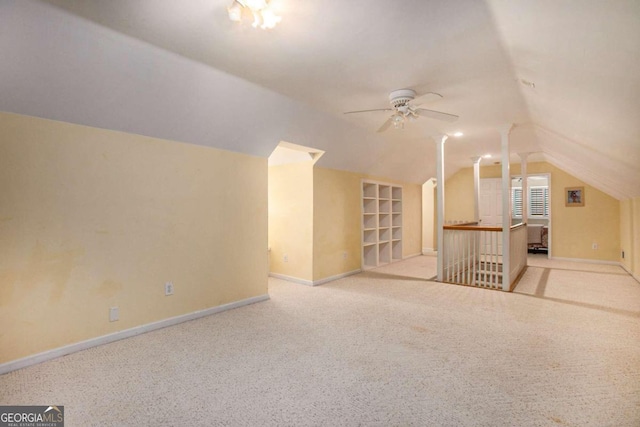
<point>525,187</point>
<point>428,217</point>
<point>506,205</point>
<point>440,140</point>
<point>476,188</point>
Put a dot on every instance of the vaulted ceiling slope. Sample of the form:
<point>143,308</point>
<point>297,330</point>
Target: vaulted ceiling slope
<point>183,71</point>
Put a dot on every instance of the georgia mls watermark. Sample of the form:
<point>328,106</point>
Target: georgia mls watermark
<point>31,416</point>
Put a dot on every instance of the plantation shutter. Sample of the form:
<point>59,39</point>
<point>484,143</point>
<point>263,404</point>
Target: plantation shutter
<point>516,202</point>
<point>539,201</point>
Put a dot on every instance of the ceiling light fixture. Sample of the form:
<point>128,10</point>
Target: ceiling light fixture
<point>458,134</point>
<point>398,120</point>
<point>263,14</point>
<point>487,156</point>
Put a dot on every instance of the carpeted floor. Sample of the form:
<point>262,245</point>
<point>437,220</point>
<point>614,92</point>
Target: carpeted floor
<point>386,347</point>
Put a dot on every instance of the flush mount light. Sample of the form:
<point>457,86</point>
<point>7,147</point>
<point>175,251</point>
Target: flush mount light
<point>263,15</point>
<point>487,156</point>
<point>458,134</point>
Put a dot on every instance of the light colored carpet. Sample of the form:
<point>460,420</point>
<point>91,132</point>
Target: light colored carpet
<point>381,348</point>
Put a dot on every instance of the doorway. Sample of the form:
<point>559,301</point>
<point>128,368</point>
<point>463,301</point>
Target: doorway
<point>538,207</point>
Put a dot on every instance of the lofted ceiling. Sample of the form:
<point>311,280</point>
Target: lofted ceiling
<point>181,70</point>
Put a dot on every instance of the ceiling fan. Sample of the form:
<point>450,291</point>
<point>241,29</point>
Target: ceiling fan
<point>405,105</point>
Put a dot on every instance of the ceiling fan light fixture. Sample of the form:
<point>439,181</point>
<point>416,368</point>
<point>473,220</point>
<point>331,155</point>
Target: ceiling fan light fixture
<point>263,14</point>
<point>235,11</point>
<point>398,121</point>
<point>269,18</point>
<point>404,109</point>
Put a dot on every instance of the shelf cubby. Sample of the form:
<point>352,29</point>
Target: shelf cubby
<point>369,221</point>
<point>384,192</point>
<point>384,206</point>
<point>396,250</point>
<point>369,190</point>
<point>396,193</point>
<point>369,236</point>
<point>370,206</point>
<point>396,233</point>
<point>384,220</point>
<point>370,255</point>
<point>383,235</point>
<point>384,253</point>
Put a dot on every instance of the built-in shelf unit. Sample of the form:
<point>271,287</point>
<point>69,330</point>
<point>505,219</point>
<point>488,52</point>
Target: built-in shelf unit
<point>381,223</point>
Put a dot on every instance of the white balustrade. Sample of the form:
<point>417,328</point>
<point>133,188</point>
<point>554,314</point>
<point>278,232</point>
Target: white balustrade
<point>472,254</point>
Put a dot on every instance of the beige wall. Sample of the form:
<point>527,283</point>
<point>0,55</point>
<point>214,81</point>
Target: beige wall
<point>91,219</point>
<point>574,229</point>
<point>337,219</point>
<point>291,220</point>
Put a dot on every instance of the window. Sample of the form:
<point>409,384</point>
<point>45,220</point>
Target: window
<point>538,202</point>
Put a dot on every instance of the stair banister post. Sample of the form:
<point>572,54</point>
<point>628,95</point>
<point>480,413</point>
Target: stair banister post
<point>506,205</point>
<point>440,140</point>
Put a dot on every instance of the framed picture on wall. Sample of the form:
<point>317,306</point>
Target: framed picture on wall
<point>574,196</point>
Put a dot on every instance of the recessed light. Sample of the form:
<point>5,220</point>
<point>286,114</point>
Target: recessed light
<point>527,83</point>
<point>458,134</point>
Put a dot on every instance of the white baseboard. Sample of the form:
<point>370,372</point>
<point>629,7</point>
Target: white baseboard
<point>412,255</point>
<point>635,276</point>
<point>291,279</point>
<point>127,333</point>
<point>589,261</point>
<point>429,252</point>
<point>315,282</point>
<point>336,277</point>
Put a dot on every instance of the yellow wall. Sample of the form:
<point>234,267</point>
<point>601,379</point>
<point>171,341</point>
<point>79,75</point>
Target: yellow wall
<point>458,196</point>
<point>336,227</point>
<point>337,219</point>
<point>636,237</point>
<point>91,219</point>
<point>291,219</point>
<point>630,235</point>
<point>574,229</point>
<point>627,234</point>
<point>411,219</point>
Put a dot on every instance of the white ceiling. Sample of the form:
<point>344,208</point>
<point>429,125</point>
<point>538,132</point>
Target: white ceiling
<point>181,70</point>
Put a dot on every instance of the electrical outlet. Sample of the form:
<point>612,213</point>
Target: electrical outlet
<point>114,314</point>
<point>285,258</point>
<point>594,246</point>
<point>168,288</point>
<point>344,255</point>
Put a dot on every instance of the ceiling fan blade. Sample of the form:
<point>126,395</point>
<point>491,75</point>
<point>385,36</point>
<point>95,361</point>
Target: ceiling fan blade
<point>369,111</point>
<point>439,115</point>
<point>426,98</point>
<point>386,125</point>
